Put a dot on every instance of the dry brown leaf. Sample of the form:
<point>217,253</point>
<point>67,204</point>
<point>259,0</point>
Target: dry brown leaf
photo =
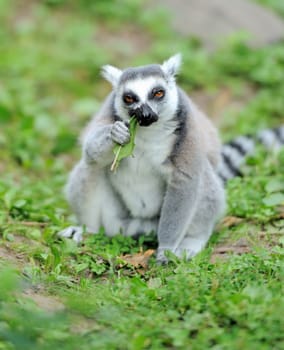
<point>230,221</point>
<point>139,259</point>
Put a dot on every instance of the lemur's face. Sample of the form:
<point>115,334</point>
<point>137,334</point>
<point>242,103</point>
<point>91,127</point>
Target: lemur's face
<point>148,97</point>
<point>149,93</point>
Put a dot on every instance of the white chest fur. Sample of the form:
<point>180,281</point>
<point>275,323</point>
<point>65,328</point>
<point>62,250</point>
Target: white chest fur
<point>141,180</point>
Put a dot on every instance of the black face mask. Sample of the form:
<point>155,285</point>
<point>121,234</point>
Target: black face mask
<point>144,115</point>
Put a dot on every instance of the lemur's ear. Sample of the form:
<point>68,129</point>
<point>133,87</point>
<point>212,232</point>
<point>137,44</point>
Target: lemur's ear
<point>172,65</point>
<point>111,74</point>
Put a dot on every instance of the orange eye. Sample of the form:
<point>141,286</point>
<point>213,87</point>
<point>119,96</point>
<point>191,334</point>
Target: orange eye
<point>159,94</point>
<point>128,99</point>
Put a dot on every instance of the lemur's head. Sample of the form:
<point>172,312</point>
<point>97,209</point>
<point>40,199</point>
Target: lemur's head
<point>149,92</point>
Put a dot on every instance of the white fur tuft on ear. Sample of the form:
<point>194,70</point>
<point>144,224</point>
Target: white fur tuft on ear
<point>111,74</point>
<point>172,65</point>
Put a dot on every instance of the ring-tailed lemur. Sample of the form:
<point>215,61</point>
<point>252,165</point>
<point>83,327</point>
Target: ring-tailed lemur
<point>173,184</point>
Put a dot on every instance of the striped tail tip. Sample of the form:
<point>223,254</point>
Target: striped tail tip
<point>235,152</point>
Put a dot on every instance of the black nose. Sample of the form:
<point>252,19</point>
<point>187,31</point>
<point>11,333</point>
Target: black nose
<point>144,115</point>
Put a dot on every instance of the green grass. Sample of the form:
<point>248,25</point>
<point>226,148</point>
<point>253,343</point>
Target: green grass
<point>50,57</point>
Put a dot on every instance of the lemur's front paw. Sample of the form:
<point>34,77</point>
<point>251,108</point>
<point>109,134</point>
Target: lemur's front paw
<point>73,232</point>
<point>120,133</point>
<point>160,257</point>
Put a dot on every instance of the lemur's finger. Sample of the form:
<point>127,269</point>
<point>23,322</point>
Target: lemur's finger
<point>120,133</point>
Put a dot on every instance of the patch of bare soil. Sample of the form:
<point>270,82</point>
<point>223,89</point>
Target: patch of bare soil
<point>268,237</point>
<point>10,257</point>
<point>214,20</point>
<point>45,302</point>
<point>37,293</point>
<point>225,249</point>
<point>9,253</point>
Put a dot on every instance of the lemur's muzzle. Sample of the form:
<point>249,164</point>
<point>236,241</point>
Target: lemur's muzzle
<point>144,115</point>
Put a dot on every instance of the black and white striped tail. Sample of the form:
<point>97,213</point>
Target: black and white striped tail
<point>235,152</point>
